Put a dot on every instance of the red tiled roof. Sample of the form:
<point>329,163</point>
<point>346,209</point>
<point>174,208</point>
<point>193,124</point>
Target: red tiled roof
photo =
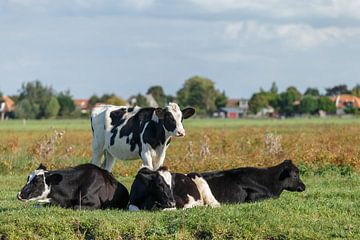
<point>342,100</point>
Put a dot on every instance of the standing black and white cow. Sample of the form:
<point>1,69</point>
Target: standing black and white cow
<point>251,184</point>
<point>164,190</point>
<point>82,187</point>
<point>132,133</point>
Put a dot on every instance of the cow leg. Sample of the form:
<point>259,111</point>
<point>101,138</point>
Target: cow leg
<point>205,192</point>
<point>109,161</point>
<point>97,153</point>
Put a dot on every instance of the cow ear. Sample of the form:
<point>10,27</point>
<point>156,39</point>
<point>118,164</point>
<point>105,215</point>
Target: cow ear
<point>188,112</point>
<point>41,166</point>
<point>53,179</point>
<point>160,113</point>
<point>284,174</point>
<point>288,161</point>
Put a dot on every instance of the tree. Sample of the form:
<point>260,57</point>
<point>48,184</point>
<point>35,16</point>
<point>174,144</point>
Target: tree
<point>38,97</point>
<point>309,104</point>
<point>337,90</point>
<point>158,94</point>
<point>356,90</point>
<point>115,100</point>
<point>326,104</point>
<point>52,108</point>
<point>294,92</point>
<point>200,93</point>
<point>26,110</point>
<point>274,88</point>
<point>258,101</point>
<point>141,101</point>
<point>67,106</point>
<point>312,92</point>
<point>221,100</point>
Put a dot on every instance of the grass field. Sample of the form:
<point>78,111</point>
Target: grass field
<point>327,151</point>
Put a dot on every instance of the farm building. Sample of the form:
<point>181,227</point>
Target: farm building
<point>235,108</point>
<point>7,107</point>
<point>83,105</point>
<point>345,101</point>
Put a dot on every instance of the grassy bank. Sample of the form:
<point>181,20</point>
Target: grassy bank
<point>328,209</point>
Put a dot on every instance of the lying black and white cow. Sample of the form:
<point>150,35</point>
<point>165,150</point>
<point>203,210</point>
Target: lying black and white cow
<point>251,184</point>
<point>164,190</point>
<point>130,133</point>
<point>82,187</point>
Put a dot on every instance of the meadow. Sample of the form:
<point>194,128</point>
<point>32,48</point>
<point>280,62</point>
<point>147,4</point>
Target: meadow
<point>327,152</point>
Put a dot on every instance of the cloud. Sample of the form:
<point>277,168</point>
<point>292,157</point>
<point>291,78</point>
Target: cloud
<point>286,8</point>
<point>296,35</point>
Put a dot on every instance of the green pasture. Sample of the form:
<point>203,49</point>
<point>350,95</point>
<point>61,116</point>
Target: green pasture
<point>84,124</point>
<point>328,209</point>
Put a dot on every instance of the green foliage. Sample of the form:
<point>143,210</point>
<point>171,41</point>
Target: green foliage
<point>158,94</point>
<point>37,96</point>
<point>326,105</point>
<point>199,92</point>
<point>115,100</point>
<point>274,89</point>
<point>26,110</point>
<point>258,101</point>
<point>294,92</point>
<point>108,99</point>
<point>67,106</point>
<point>312,92</point>
<point>52,108</point>
<point>337,90</point>
<point>221,100</point>
<point>141,101</point>
<point>356,90</point>
<point>309,104</point>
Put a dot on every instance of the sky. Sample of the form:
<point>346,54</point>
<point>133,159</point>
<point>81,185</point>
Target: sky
<point>126,46</point>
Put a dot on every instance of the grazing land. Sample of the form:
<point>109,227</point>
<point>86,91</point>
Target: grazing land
<point>326,150</point>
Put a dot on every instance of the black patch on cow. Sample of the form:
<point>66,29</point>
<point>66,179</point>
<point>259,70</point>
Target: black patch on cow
<point>184,186</point>
<point>116,120</point>
<point>135,125</point>
<point>168,141</point>
<point>154,134</point>
<point>130,109</point>
<point>169,121</point>
<point>92,128</point>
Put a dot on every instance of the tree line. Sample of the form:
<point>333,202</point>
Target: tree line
<point>291,102</point>
<point>37,101</point>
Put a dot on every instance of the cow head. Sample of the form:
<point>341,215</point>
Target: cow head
<point>290,177</point>
<point>38,185</point>
<point>172,117</point>
<point>154,189</point>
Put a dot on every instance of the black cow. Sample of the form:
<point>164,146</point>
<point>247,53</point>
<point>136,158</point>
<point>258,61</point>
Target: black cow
<point>121,132</point>
<point>164,190</point>
<point>82,187</point>
<point>251,184</point>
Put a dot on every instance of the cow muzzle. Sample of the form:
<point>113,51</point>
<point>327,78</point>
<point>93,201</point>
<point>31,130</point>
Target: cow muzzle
<point>180,133</point>
<point>18,196</point>
<point>301,188</point>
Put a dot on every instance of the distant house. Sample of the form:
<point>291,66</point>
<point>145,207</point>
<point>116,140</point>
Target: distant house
<point>345,101</point>
<point>268,111</point>
<point>82,104</point>
<point>7,107</point>
<point>235,108</point>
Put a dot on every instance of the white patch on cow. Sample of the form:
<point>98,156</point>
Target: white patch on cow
<point>169,209</point>
<point>192,202</point>
<point>174,109</point>
<point>133,208</point>
<point>43,197</point>
<point>205,192</point>
<point>166,175</point>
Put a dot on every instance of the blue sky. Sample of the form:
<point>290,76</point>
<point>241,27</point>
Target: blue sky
<point>126,46</point>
